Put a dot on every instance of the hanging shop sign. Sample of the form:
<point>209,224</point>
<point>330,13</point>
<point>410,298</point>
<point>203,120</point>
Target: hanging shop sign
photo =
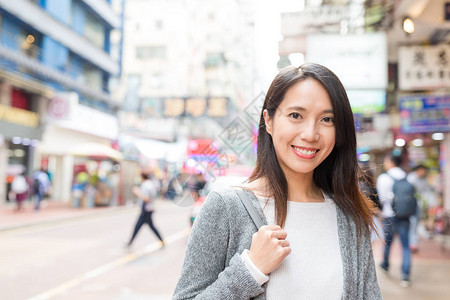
<point>312,18</point>
<point>424,67</point>
<point>425,113</point>
<point>19,116</point>
<point>216,107</point>
<point>367,101</point>
<point>62,105</point>
<point>64,111</point>
<point>360,61</point>
<point>152,128</point>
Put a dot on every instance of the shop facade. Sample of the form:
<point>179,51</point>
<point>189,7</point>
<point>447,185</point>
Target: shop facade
<point>20,128</point>
<point>78,139</point>
<point>424,112</point>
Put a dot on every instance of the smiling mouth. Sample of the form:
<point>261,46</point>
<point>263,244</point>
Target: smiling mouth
<point>305,151</point>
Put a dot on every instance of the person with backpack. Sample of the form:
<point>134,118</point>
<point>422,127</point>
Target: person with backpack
<point>41,185</point>
<point>397,197</point>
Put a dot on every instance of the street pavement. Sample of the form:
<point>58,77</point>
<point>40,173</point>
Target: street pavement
<point>430,272</point>
<point>70,253</point>
<point>84,256</point>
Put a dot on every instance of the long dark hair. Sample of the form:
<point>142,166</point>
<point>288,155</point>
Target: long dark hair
<point>338,174</point>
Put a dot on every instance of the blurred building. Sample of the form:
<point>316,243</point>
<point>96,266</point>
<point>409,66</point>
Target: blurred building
<point>393,59</point>
<point>58,62</point>
<point>187,66</point>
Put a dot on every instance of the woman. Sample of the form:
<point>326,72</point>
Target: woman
<point>305,184</point>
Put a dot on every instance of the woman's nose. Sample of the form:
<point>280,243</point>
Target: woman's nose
<point>309,132</point>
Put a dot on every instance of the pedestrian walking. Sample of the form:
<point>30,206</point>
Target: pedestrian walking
<point>394,222</point>
<point>146,193</point>
<point>20,189</point>
<point>425,196</point>
<point>41,185</point>
<point>312,240</point>
<point>174,187</point>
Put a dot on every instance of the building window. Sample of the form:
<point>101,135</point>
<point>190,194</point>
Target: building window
<point>159,24</point>
<point>151,52</point>
<point>30,43</point>
<point>156,81</point>
<point>94,30</point>
<point>92,76</point>
<point>213,60</point>
<point>20,99</point>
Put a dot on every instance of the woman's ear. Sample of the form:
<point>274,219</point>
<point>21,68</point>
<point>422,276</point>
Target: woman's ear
<point>268,121</point>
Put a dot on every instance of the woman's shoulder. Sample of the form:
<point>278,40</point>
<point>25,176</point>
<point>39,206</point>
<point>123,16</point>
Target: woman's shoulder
<point>227,198</point>
<point>224,204</point>
<point>346,222</point>
<point>348,227</point>
<point>227,195</point>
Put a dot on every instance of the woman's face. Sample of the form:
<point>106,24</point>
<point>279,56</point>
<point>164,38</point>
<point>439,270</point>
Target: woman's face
<point>302,128</point>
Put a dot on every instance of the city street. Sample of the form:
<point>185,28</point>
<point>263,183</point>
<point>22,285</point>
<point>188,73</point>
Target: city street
<point>430,273</point>
<point>85,258</point>
<point>108,103</point>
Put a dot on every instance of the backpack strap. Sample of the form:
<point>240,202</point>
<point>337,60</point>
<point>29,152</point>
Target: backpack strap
<point>395,180</point>
<point>250,208</point>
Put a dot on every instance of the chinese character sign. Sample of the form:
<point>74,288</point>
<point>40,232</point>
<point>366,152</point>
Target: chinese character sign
<point>424,113</point>
<point>424,67</point>
<point>217,107</point>
<point>194,107</point>
<point>174,107</point>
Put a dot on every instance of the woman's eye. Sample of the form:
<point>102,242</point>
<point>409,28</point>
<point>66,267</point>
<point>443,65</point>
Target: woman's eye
<point>295,115</point>
<point>328,120</point>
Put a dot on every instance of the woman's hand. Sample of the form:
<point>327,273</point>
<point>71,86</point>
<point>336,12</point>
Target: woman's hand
<point>269,248</point>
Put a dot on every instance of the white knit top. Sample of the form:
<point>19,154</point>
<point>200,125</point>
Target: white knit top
<point>313,269</point>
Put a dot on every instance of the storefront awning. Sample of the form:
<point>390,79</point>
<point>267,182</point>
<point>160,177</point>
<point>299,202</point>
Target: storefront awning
<point>96,150</point>
<point>153,149</point>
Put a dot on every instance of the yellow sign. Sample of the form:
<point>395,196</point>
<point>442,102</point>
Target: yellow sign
<point>196,106</point>
<point>174,107</point>
<point>217,107</point>
<point>19,116</point>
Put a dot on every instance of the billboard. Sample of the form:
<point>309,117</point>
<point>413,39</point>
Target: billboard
<point>424,67</point>
<point>360,61</point>
<point>425,113</point>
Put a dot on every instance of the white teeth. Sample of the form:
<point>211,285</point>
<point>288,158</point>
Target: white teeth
<point>305,152</point>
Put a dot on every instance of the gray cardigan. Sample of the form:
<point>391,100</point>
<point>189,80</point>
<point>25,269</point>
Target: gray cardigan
<point>213,268</point>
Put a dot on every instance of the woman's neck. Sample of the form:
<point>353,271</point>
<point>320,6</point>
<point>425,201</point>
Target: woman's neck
<point>301,189</point>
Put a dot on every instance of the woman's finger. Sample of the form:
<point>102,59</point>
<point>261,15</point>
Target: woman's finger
<point>279,234</point>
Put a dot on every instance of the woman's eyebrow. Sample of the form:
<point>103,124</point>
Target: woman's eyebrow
<point>328,111</point>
